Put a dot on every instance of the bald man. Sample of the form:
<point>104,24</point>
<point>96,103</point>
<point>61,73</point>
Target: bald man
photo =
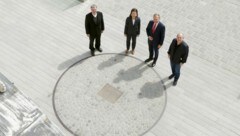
<point>178,54</point>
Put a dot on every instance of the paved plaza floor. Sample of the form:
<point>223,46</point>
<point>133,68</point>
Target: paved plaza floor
<point>109,94</point>
<point>44,51</point>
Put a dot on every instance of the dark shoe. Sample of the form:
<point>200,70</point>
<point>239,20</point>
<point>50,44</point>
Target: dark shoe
<point>100,50</point>
<point>147,60</point>
<point>153,64</point>
<point>171,76</point>
<point>174,83</point>
<point>92,53</point>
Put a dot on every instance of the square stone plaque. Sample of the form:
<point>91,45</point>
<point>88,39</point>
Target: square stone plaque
<point>110,93</point>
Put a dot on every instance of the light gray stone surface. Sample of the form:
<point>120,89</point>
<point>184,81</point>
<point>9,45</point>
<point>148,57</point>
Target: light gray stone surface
<point>110,93</point>
<point>39,39</point>
<point>141,98</point>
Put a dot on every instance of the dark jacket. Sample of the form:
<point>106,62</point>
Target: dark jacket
<point>130,28</point>
<point>159,34</point>
<point>93,28</point>
<point>178,53</point>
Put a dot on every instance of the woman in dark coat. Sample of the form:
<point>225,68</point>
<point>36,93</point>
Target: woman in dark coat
<point>132,29</point>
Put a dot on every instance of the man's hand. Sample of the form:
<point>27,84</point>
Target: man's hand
<point>159,46</point>
<point>150,38</point>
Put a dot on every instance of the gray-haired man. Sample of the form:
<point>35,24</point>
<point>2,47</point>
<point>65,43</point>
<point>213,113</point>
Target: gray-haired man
<point>94,25</point>
<point>156,33</point>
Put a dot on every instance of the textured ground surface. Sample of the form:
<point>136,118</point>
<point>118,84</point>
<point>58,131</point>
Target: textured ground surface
<point>40,39</point>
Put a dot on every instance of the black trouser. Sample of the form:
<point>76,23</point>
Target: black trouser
<point>153,50</point>
<point>97,42</point>
<point>133,37</point>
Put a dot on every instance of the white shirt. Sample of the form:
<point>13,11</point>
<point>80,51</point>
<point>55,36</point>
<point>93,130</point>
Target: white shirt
<point>133,21</point>
<point>156,24</point>
<point>95,14</point>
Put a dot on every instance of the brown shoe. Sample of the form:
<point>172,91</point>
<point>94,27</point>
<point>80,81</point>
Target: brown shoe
<point>132,51</point>
<point>126,52</point>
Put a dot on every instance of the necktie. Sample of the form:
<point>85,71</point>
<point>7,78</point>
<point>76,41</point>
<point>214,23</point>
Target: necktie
<point>154,28</point>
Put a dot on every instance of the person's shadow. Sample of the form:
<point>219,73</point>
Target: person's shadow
<point>132,73</point>
<point>168,85</point>
<point>151,90</point>
<point>70,62</point>
<point>118,58</point>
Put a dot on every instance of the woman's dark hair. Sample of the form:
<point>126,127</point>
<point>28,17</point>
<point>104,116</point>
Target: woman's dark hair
<point>134,10</point>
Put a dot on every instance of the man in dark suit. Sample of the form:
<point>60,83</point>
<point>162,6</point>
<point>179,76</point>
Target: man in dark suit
<point>156,33</point>
<point>94,26</point>
<point>178,54</point>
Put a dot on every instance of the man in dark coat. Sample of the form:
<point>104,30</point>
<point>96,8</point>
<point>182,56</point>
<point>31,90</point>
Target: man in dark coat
<point>94,25</point>
<point>178,54</point>
<point>156,33</point>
